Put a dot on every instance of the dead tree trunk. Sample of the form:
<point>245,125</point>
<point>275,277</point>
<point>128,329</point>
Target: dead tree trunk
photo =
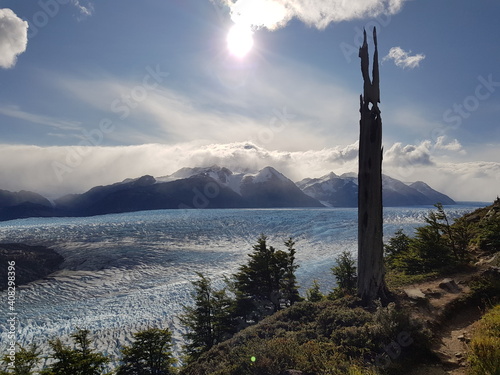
<point>371,284</point>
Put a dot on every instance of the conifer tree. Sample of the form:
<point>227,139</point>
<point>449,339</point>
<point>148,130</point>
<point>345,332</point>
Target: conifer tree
<point>314,294</point>
<point>80,360</point>
<point>267,282</point>
<point>25,361</point>
<point>209,320</point>
<point>345,274</point>
<point>149,354</point>
<point>289,288</point>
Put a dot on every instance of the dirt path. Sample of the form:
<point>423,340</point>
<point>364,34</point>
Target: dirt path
<point>436,302</point>
<point>451,348</point>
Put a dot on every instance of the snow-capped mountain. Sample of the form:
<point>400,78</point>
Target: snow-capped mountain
<point>263,189</point>
<point>332,190</point>
<point>215,187</point>
<point>429,192</point>
<point>342,191</point>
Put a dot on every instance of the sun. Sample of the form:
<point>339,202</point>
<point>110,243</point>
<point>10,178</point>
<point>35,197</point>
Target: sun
<point>239,40</point>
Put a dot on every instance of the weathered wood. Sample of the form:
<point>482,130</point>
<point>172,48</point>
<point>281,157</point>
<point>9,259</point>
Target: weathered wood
<point>371,284</point>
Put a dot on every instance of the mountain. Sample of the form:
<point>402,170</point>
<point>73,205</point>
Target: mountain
<point>332,190</point>
<point>342,191</point>
<point>214,187</point>
<point>22,204</point>
<point>146,193</point>
<point>431,193</point>
<point>267,188</point>
<point>9,199</point>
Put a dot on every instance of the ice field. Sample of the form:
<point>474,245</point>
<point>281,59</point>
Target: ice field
<point>130,271</point>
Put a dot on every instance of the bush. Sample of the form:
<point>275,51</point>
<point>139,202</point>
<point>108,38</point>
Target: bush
<point>435,246</point>
<point>398,244</point>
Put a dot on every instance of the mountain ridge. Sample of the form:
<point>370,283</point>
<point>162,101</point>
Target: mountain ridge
<point>214,187</point>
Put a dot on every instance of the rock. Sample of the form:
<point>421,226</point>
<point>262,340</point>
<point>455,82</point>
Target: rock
<point>458,355</point>
<point>432,293</point>
<point>414,294</point>
<point>450,286</point>
<point>494,260</point>
<point>461,337</point>
<point>491,272</point>
<point>31,262</point>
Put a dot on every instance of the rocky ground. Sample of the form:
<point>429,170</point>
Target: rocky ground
<point>31,262</point>
<point>442,305</point>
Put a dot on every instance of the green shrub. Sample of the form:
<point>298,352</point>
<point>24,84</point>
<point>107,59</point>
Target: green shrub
<point>435,246</point>
<point>314,294</point>
<point>484,353</point>
<point>345,275</point>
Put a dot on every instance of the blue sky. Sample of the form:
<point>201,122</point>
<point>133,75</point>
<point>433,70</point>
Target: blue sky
<point>95,92</point>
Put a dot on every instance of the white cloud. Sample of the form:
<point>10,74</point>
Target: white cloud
<point>54,171</point>
<point>403,59</point>
<point>85,10</point>
<point>16,112</point>
<point>409,155</point>
<point>453,145</point>
<point>13,37</point>
<point>277,101</point>
<point>273,14</point>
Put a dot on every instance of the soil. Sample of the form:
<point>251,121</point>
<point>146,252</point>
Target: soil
<point>442,308</point>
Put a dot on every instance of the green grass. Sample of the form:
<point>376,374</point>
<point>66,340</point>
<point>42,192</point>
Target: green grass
<point>484,353</point>
<point>397,279</point>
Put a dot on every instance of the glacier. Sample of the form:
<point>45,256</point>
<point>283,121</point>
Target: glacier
<point>126,272</point>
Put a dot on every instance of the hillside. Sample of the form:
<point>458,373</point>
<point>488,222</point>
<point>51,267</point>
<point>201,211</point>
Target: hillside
<point>423,330</point>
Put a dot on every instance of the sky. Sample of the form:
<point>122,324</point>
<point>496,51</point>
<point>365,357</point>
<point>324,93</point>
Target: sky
<point>94,92</point>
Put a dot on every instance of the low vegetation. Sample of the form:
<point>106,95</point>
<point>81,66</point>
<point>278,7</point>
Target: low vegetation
<point>484,354</point>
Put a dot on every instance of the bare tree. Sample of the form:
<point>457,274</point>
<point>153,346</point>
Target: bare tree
<point>371,284</point>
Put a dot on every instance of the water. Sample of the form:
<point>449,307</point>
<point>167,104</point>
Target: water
<point>130,271</point>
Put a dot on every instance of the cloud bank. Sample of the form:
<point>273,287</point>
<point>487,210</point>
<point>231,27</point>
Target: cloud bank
<point>403,59</point>
<point>273,14</point>
<point>54,171</point>
<point>13,37</point>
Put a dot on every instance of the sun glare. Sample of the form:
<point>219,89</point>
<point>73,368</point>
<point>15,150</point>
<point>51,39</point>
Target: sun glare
<point>239,40</point>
